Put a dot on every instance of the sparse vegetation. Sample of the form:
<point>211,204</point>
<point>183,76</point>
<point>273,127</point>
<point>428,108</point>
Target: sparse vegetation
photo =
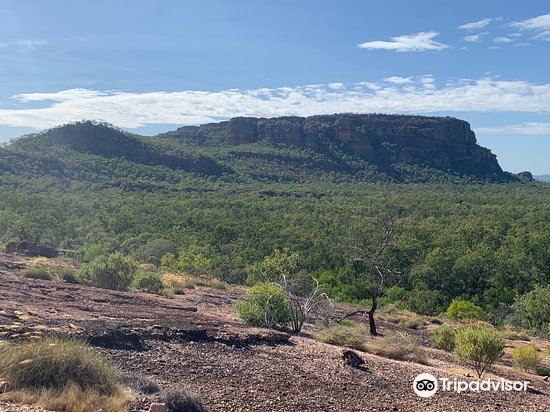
<point>527,357</point>
<point>479,347</point>
<point>402,317</point>
<point>182,400</point>
<point>399,346</point>
<point>60,374</point>
<point>265,305</point>
<point>353,335</point>
<point>443,337</point>
<point>513,334</point>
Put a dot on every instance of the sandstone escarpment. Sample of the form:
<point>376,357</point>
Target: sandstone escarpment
<point>440,142</point>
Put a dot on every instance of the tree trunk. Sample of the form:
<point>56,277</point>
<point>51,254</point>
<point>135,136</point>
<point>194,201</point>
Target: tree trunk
<point>374,300</point>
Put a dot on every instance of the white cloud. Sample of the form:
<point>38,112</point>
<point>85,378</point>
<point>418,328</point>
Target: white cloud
<point>24,43</point>
<point>335,86</point>
<point>132,110</point>
<point>502,39</point>
<point>475,38</point>
<point>475,25</point>
<point>398,80</point>
<point>540,25</point>
<point>416,42</point>
<point>532,129</point>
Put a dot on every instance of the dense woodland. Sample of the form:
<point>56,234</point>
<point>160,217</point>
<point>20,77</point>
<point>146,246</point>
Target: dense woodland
<point>484,242</point>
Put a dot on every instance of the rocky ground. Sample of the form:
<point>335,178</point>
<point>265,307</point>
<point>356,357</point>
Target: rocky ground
<point>195,340</point>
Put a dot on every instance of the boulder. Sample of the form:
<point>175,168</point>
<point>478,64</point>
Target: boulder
<point>32,249</point>
<point>353,359</point>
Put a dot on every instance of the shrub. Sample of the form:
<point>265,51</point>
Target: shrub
<point>189,261</point>
<point>479,346</point>
<point>527,357</point>
<point>444,338</point>
<point>397,346</point>
<point>463,309</point>
<point>182,400</point>
<point>139,383</point>
<point>149,282</point>
<point>60,374</point>
<point>93,252</point>
<point>352,336</point>
<point>38,272</point>
<point>265,305</point>
<point>69,277</point>
<point>115,272</point>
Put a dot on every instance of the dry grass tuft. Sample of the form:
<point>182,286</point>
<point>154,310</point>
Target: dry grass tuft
<point>341,335</point>
<point>72,398</point>
<point>60,374</point>
<point>403,318</point>
<point>398,346</point>
<point>179,283</point>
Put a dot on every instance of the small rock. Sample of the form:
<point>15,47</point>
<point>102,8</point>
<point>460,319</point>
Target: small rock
<point>158,407</point>
<point>4,386</point>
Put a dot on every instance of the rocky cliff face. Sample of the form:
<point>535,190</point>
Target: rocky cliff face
<point>440,142</point>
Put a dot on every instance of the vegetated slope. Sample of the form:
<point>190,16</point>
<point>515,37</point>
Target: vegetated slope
<point>105,141</point>
<point>336,148</point>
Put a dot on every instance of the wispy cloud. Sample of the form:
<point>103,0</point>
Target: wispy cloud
<point>475,25</point>
<point>398,80</point>
<point>23,43</point>
<point>532,129</point>
<point>540,25</point>
<point>503,39</point>
<point>475,38</point>
<point>417,42</point>
<point>421,95</point>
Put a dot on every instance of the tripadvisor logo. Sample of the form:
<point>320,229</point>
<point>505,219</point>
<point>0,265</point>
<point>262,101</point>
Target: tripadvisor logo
<point>426,385</point>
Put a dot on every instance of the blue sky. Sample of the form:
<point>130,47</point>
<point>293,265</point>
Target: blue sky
<point>152,65</point>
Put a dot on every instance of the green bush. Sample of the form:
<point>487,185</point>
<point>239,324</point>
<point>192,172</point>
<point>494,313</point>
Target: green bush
<point>56,363</point>
<point>443,337</point>
<point>265,305</point>
<point>527,357</point>
<point>114,272</point>
<point>93,252</point>
<point>182,400</point>
<point>38,272</point>
<point>463,309</point>
<point>148,282</point>
<point>190,262</point>
<point>480,347</point>
<point>353,336</point>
